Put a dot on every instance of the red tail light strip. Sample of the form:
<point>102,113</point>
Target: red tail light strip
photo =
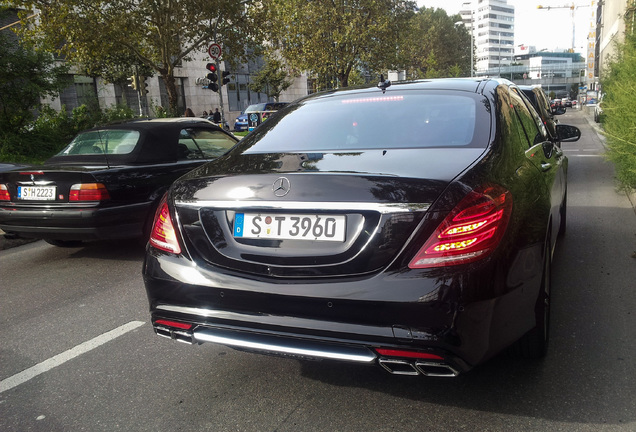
<point>407,354</point>
<point>88,192</point>
<point>470,232</point>
<point>4,193</point>
<point>163,235</point>
<point>175,324</point>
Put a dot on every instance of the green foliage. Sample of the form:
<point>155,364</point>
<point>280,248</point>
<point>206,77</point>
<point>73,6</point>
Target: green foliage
<point>435,46</point>
<point>112,38</point>
<point>272,79</point>
<point>331,38</point>
<point>52,130</point>
<point>620,112</point>
<point>26,76</point>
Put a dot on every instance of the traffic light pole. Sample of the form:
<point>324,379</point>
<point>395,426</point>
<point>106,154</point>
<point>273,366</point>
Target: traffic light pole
<point>220,93</point>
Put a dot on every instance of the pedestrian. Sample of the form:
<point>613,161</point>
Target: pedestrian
<point>188,113</point>
<point>205,114</point>
<point>217,116</point>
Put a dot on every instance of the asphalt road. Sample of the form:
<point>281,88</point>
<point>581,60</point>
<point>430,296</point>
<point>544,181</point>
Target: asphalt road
<point>77,352</point>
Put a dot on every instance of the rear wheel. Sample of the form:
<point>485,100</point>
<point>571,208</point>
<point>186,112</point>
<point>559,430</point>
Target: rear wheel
<point>534,344</point>
<point>64,243</point>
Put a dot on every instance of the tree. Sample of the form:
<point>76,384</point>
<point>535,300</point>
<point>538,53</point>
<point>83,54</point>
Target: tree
<point>436,46</point>
<point>272,79</point>
<point>26,76</point>
<point>332,38</point>
<point>156,34</point>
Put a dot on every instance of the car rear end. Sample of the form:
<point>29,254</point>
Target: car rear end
<point>381,244</point>
<point>65,204</point>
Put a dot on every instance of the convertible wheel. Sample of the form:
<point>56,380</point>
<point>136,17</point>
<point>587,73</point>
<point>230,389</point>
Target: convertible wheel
<point>534,344</point>
<point>64,243</point>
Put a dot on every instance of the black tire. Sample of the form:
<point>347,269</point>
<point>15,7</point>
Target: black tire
<point>64,243</point>
<point>564,214</point>
<point>534,344</point>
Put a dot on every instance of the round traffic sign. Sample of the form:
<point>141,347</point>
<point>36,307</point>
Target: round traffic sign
<point>214,51</point>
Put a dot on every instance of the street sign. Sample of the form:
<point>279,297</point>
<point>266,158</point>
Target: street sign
<point>215,51</point>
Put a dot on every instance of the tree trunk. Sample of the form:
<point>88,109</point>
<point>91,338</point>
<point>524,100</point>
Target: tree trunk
<point>171,88</point>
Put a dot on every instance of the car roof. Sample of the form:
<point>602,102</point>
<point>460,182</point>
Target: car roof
<point>158,139</point>
<point>473,85</point>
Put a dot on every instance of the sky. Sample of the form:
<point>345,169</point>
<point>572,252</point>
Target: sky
<point>542,28</point>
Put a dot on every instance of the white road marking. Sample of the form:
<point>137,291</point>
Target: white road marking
<point>46,365</point>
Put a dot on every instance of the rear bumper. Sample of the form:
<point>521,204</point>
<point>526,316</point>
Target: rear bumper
<point>457,319</point>
<point>75,223</point>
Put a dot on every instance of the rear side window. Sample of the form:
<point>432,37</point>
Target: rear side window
<point>203,144</point>
<point>532,125</point>
<point>107,141</point>
<point>410,119</point>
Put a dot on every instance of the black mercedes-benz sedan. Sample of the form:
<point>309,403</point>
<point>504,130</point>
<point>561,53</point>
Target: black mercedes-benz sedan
<point>410,226</point>
<point>107,183</point>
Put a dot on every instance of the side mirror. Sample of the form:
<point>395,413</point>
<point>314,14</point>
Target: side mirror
<point>567,133</point>
<point>558,110</point>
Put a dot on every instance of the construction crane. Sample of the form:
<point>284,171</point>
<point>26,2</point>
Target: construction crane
<point>572,8</point>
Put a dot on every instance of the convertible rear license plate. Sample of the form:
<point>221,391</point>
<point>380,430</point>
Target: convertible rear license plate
<point>40,193</point>
<point>290,226</point>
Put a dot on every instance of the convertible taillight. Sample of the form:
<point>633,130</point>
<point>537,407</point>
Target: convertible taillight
<point>88,192</point>
<point>471,231</point>
<point>4,193</point>
<point>163,235</point>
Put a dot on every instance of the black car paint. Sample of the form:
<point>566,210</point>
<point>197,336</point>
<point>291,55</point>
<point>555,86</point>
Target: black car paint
<point>368,297</point>
<point>135,182</point>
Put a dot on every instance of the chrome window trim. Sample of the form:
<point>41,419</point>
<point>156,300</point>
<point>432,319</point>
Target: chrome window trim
<point>382,208</point>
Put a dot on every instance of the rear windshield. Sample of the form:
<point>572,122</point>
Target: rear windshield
<point>408,120</point>
<point>107,141</point>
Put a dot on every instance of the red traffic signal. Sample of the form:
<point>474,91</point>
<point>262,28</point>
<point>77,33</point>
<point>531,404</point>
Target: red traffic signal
<point>211,67</point>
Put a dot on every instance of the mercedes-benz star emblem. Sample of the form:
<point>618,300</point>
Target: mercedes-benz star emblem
<point>281,186</point>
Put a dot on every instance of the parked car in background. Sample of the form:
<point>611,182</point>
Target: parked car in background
<point>410,226</point>
<point>258,113</point>
<point>598,110</point>
<point>539,101</point>
<point>240,124</point>
<point>107,183</point>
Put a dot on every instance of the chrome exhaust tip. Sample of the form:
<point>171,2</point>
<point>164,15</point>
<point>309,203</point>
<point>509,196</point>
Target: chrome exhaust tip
<point>398,367</point>
<point>433,369</point>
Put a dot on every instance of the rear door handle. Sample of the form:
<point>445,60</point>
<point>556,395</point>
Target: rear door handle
<point>545,166</point>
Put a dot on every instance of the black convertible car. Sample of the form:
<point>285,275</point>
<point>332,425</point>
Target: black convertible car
<point>107,182</point>
<point>408,225</point>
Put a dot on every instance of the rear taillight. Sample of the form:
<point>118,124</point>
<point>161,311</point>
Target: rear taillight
<point>163,235</point>
<point>471,231</point>
<point>88,192</point>
<point>4,193</point>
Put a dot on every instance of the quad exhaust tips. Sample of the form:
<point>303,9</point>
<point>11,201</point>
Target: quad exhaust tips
<point>426,368</point>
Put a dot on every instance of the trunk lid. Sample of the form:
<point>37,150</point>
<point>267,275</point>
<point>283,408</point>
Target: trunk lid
<point>312,215</point>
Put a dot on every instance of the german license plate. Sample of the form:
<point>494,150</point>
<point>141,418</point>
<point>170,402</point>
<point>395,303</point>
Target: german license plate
<point>290,226</point>
<point>42,193</point>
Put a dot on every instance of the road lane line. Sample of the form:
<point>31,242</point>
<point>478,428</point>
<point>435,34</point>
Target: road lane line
<point>46,365</point>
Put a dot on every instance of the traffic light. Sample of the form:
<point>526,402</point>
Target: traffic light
<point>134,82</point>
<point>212,76</point>
<point>143,85</point>
<point>225,79</point>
